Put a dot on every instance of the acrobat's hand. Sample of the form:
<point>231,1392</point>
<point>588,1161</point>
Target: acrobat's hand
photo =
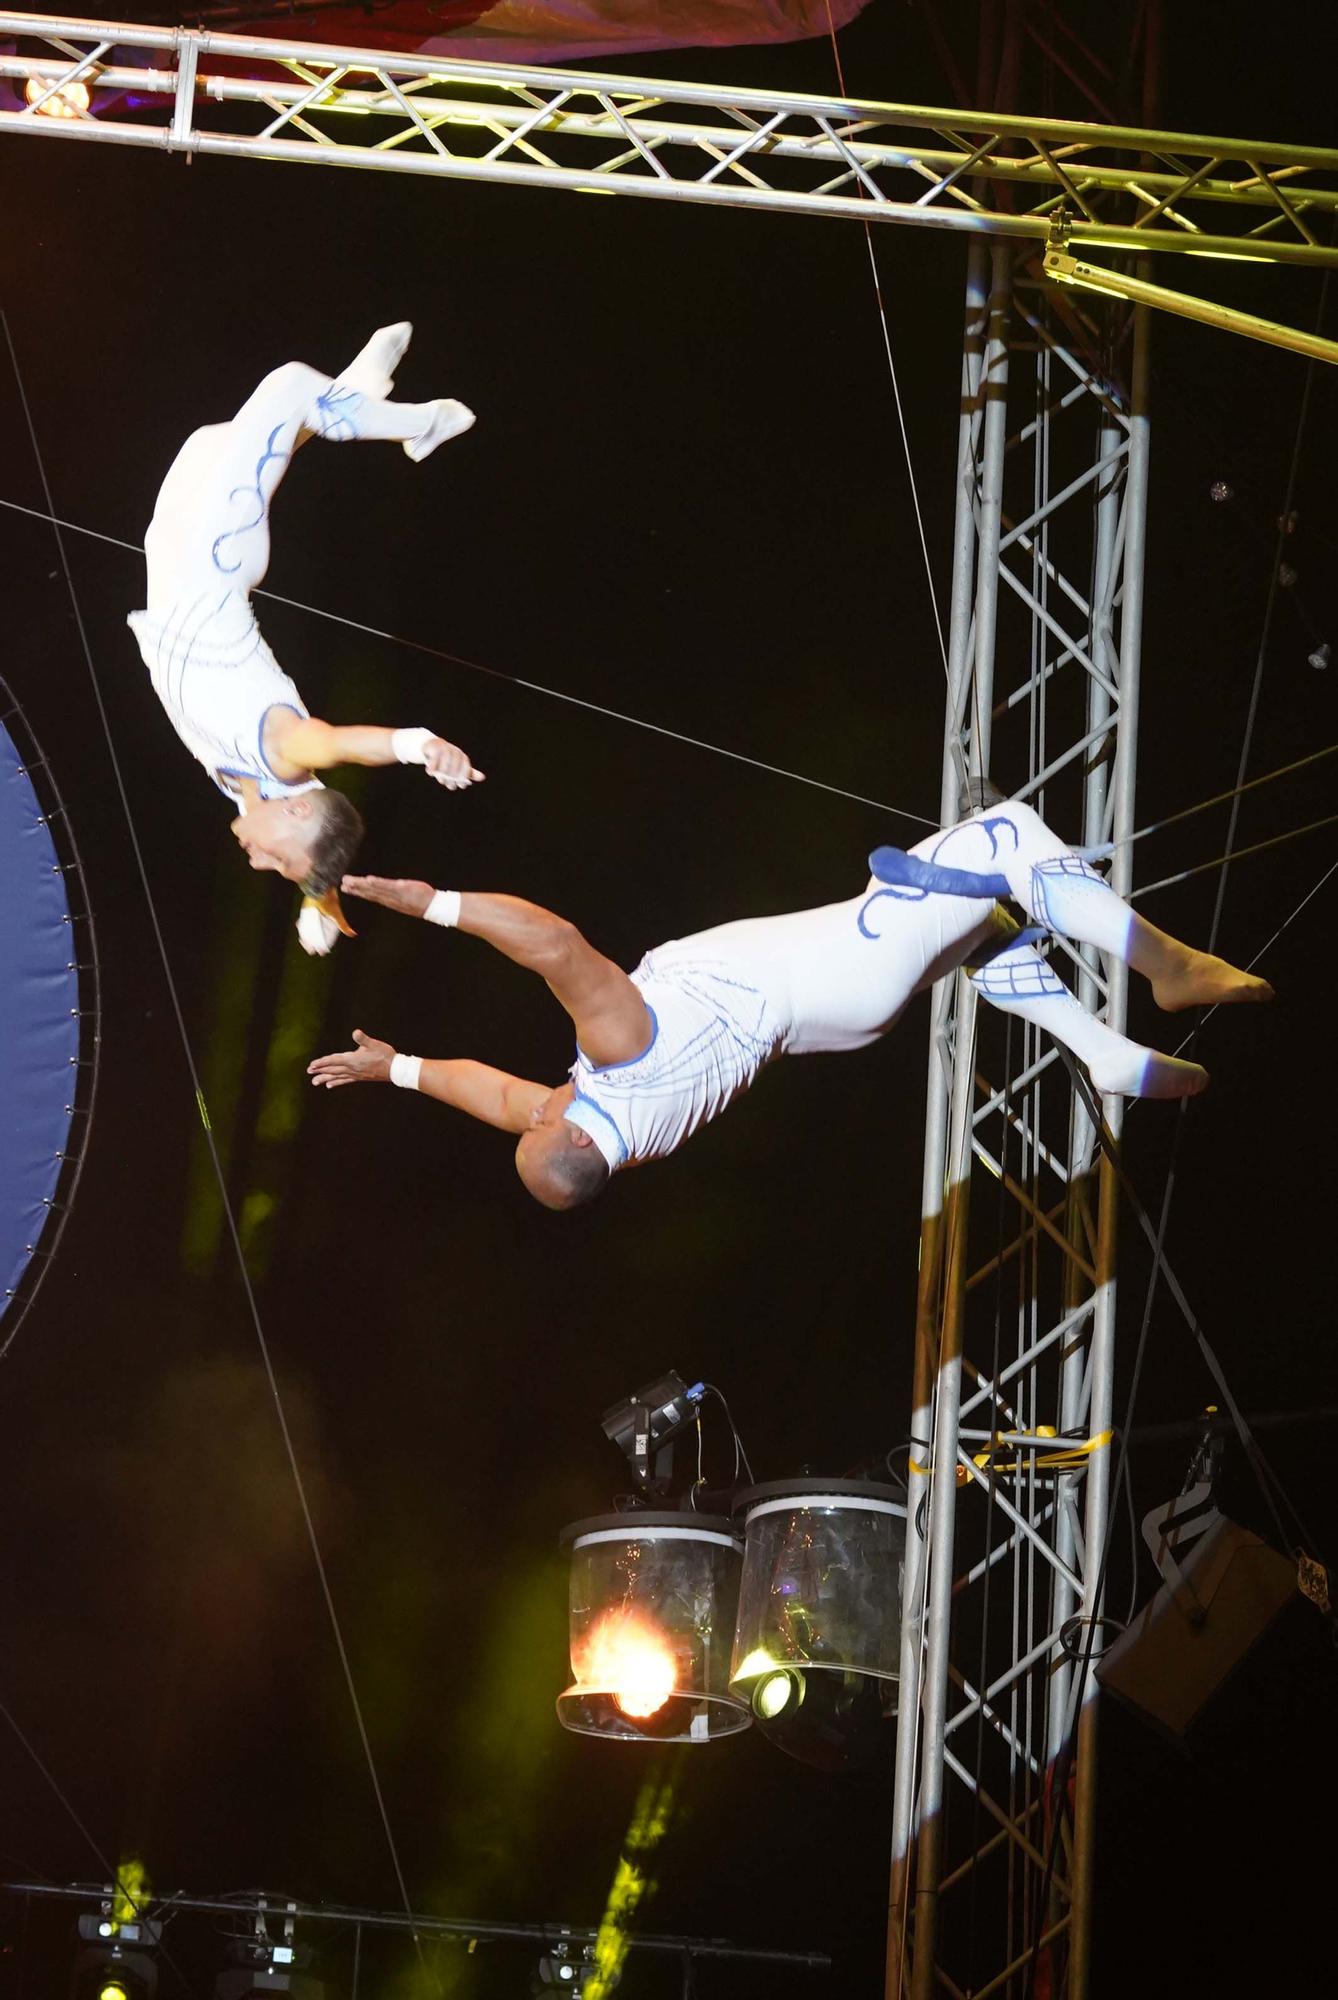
<point>449,765</point>
<point>368,1063</point>
<point>442,760</point>
<point>409,898</point>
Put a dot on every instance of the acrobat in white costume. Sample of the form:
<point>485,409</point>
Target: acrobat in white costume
<point>665,1049</point>
<point>227,697</point>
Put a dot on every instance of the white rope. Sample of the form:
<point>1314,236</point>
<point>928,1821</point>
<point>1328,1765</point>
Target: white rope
<point>515,680</point>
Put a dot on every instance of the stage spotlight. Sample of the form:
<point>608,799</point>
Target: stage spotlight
<point>117,1961</point>
<point>645,1424</point>
<point>67,100</point>
<point>1221,490</point>
<point>830,1719</point>
<point>777,1693</point>
<point>817,1650</point>
<point>260,1966</point>
<point>652,1604</point>
<point>557,1970</point>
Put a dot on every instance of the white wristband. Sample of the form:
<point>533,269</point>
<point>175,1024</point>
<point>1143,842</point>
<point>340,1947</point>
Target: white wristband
<point>444,909</point>
<point>404,1071</point>
<point>410,745</point>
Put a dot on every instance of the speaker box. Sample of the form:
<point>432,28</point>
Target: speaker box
<point>1190,1637</point>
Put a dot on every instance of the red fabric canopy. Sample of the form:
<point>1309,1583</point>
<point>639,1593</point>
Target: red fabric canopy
<point>543,31</point>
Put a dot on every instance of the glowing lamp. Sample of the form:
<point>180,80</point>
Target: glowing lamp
<point>113,1990</point>
<point>817,1649</point>
<point>67,100</point>
<point>651,1612</point>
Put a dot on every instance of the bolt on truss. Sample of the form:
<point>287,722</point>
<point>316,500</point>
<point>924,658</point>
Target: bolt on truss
<point>198,92</point>
<point>1009,1473</point>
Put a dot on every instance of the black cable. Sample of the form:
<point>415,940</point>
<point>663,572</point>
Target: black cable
<point>1223,861</point>
<point>711,1390</point>
<point>1253,708</point>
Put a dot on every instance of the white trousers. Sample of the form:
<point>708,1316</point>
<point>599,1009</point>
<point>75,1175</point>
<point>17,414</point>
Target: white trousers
<point>840,976</point>
<point>210,528</point>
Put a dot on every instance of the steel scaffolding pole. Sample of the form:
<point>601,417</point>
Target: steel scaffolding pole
<point>1016,1305</point>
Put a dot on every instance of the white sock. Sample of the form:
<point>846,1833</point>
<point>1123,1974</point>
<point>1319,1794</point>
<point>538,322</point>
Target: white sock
<point>372,372</point>
<point>1020,982</point>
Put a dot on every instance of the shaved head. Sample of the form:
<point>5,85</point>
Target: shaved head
<point>561,1166</point>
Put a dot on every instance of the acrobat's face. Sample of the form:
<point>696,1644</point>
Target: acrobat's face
<point>277,834</point>
<point>558,1162</point>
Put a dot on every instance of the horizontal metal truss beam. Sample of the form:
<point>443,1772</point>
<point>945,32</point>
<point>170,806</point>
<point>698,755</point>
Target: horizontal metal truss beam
<point>236,95</point>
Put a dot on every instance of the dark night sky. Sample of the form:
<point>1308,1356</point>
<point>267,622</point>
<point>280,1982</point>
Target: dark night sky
<point>686,498</point>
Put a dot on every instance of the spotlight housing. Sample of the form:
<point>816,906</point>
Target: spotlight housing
<point>652,1606</point>
<point>645,1424</point>
<point>817,1649</point>
<point>116,1962</point>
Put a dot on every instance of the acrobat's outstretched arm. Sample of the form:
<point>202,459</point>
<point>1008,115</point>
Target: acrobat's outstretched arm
<point>612,1020</point>
<point>296,744</point>
<point>489,1095</point>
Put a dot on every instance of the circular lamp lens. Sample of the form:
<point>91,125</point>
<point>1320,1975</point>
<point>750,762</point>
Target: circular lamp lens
<point>776,1694</point>
<point>113,1990</point>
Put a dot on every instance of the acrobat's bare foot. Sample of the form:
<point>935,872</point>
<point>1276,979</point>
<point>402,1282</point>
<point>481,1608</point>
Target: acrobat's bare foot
<point>1133,1072</point>
<point>1196,979</point>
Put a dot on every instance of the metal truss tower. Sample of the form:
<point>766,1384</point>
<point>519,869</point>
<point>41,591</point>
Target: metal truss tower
<point>1009,1480</point>
<point>1009,1473</point>
<point>992,1874</point>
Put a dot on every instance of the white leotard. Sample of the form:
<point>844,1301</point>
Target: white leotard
<point>728,1001</point>
<point>715,1023</point>
<point>218,680</point>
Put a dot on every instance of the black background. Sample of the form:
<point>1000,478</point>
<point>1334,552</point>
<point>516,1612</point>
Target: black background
<point>685,498</point>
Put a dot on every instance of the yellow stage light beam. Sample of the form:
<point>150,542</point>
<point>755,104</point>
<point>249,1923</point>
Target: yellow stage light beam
<point>632,1882</point>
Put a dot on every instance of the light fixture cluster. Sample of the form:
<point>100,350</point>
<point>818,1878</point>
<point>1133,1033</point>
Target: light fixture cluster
<point>118,1959</point>
<point>784,1612</point>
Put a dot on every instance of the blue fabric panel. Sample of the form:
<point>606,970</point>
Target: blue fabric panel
<point>39,1023</point>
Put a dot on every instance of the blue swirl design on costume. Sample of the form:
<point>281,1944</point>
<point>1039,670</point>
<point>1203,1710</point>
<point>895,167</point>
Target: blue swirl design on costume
<point>267,457</point>
<point>906,889</point>
<point>336,409</point>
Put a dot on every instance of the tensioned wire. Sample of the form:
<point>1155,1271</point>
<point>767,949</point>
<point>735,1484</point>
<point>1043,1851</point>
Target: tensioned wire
<point>193,1069</point>
<point>739,756</point>
<point>515,680</point>
<point>862,193</point>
